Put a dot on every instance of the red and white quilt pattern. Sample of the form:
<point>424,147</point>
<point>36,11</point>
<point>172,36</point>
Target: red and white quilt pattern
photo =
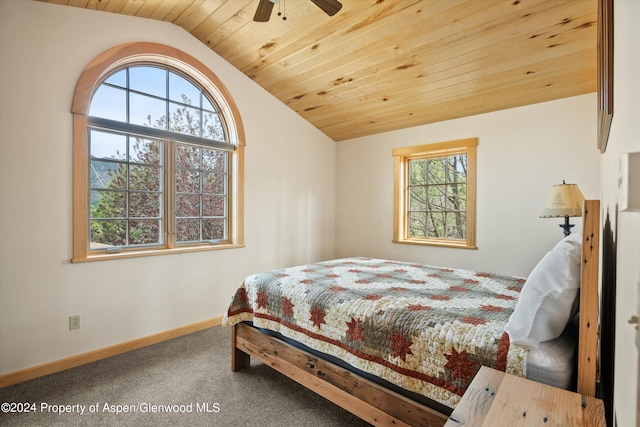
<point>426,329</point>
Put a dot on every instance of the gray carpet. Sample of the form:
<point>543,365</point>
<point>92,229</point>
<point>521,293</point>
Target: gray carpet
<point>190,374</point>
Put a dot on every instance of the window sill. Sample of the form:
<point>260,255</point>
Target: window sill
<point>153,252</point>
<point>445,243</point>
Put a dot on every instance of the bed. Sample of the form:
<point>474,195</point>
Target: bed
<point>398,343</point>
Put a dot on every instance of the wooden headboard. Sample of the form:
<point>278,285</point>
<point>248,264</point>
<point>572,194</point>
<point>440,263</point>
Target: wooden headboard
<point>589,300</point>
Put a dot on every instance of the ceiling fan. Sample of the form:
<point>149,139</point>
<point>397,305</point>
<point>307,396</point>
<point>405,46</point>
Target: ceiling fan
<point>263,12</point>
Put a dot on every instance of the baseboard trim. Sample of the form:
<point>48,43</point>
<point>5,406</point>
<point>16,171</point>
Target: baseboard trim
<point>26,374</point>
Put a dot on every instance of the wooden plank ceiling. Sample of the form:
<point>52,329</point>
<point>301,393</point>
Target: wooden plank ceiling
<point>380,65</point>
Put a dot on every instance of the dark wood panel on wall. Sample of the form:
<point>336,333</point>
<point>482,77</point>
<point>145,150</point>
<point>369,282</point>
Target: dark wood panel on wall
<point>605,71</point>
<point>608,312</point>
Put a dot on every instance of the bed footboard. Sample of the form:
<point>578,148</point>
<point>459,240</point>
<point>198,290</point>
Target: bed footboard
<point>366,399</point>
<point>239,359</point>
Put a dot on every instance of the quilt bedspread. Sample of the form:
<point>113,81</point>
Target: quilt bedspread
<point>426,329</point>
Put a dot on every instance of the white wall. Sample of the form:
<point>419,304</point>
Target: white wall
<point>625,137</point>
<point>522,152</point>
<point>289,195</point>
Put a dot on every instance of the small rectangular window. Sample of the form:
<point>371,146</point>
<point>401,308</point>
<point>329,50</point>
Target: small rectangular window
<point>434,194</point>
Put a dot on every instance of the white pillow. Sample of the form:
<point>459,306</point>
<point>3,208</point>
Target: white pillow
<point>547,297</point>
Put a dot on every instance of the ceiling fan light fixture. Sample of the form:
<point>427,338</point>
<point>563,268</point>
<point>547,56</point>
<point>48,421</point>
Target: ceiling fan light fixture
<point>263,12</point>
<point>330,7</point>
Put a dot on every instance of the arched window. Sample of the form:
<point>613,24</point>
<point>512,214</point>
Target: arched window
<point>158,156</point>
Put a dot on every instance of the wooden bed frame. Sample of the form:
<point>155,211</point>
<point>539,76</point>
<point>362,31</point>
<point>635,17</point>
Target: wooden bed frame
<point>380,406</point>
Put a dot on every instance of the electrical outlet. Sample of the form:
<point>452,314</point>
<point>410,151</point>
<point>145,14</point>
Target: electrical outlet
<point>74,322</point>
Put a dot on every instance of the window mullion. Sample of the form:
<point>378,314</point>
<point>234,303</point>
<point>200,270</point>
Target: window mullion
<point>151,132</point>
<point>170,196</point>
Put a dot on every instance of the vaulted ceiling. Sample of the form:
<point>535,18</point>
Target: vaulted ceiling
<point>380,65</point>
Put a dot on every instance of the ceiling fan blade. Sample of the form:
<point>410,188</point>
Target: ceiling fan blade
<point>263,12</point>
<point>330,7</point>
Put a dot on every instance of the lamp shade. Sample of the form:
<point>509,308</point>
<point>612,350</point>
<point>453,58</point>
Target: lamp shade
<point>564,200</point>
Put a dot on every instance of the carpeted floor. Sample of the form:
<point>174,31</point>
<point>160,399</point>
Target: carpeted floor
<point>191,375</point>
